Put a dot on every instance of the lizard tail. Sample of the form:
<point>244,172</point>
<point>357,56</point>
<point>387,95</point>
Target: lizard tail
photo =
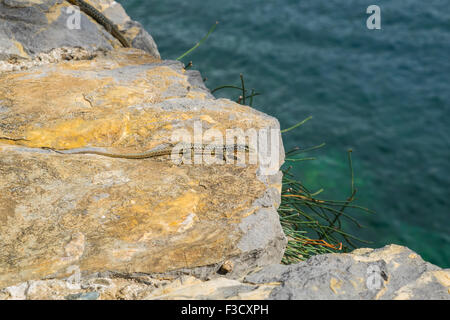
<point>101,19</point>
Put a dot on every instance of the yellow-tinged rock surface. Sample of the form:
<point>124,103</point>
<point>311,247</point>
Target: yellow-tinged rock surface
<point>101,214</point>
<point>124,99</point>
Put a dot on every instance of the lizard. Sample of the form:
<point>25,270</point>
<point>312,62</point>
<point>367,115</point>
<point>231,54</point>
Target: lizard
<point>101,19</point>
<point>195,148</point>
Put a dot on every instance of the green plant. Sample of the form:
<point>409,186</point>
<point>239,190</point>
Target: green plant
<point>311,224</point>
<point>198,44</point>
<point>244,92</point>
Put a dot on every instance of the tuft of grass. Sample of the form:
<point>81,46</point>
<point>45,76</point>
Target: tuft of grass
<point>314,225</point>
<point>311,224</point>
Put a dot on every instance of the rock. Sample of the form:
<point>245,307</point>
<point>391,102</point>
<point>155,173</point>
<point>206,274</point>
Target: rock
<point>183,287</point>
<point>392,272</point>
<point>61,213</point>
<point>399,274</point>
<point>215,289</point>
<point>29,28</point>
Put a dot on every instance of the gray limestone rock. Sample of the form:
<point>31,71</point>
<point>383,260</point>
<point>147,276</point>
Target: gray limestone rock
<point>392,272</point>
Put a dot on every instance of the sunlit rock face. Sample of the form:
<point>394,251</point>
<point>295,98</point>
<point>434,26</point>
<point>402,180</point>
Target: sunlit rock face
<point>64,214</point>
<point>101,214</point>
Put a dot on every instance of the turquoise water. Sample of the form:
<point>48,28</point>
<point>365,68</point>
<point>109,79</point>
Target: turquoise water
<point>383,93</point>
